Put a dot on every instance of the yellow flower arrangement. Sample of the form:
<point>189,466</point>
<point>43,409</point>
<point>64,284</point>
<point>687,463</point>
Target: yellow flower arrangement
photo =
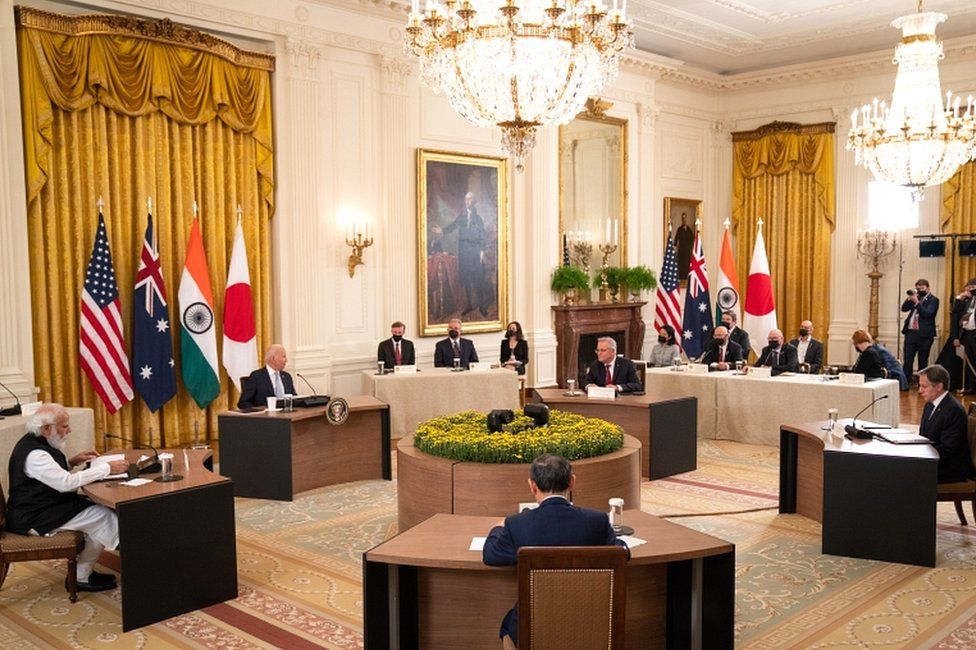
<point>464,436</point>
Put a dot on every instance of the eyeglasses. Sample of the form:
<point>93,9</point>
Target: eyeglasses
<point>602,349</point>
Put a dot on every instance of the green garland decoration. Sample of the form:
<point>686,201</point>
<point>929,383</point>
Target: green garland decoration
<point>464,436</point>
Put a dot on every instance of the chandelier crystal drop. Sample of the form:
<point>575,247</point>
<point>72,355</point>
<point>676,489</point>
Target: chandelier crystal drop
<point>917,141</point>
<point>518,66</point>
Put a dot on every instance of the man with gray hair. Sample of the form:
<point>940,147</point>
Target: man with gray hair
<point>610,370</point>
<point>269,381</point>
<point>454,347</point>
<point>44,492</point>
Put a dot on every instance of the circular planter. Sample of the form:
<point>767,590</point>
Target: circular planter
<point>427,485</point>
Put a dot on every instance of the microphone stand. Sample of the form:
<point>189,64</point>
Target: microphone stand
<point>147,466</point>
<point>11,410</point>
<point>861,434</point>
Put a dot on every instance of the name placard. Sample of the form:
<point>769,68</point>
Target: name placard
<point>851,378</point>
<point>698,368</point>
<point>479,366</point>
<point>404,370</point>
<point>761,372</point>
<point>600,392</point>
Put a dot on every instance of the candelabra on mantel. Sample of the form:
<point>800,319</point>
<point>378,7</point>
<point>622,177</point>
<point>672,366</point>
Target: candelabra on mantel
<point>607,249</point>
<point>582,254</point>
<point>874,246</point>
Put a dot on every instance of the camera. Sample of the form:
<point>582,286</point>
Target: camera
<point>910,292</point>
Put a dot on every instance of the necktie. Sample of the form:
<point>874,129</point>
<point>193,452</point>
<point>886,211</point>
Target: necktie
<point>721,354</point>
<point>396,353</point>
<point>914,324</point>
<point>609,376</point>
<point>775,357</point>
<point>457,349</point>
<point>279,389</point>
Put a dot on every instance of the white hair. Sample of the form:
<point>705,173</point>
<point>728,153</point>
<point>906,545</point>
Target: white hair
<point>609,340</point>
<point>45,416</point>
<point>274,347</point>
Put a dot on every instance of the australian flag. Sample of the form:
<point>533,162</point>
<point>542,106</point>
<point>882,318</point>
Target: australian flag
<point>153,369</point>
<point>697,324</point>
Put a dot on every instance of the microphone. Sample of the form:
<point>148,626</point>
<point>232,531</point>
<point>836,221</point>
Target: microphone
<point>313,399</point>
<point>302,377</point>
<point>11,410</point>
<point>862,434</point>
<point>145,467</point>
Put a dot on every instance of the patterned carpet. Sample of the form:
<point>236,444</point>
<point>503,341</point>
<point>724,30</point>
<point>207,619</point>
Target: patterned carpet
<point>299,568</point>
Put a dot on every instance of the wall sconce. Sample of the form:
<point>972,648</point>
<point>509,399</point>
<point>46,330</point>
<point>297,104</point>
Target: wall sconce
<point>359,237</point>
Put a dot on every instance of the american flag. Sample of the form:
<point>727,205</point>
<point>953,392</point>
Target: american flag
<point>668,309</point>
<point>697,323</point>
<point>101,347</point>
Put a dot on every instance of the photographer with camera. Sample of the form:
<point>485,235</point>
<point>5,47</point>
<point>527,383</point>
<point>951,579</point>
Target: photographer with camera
<point>919,327</point>
<point>964,320</point>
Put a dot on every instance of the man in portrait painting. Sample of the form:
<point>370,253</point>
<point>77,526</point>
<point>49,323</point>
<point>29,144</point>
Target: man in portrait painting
<point>684,239</point>
<point>471,255</point>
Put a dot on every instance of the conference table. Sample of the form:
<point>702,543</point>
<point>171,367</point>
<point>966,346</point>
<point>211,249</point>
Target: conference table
<point>13,428</point>
<point>875,500</point>
<point>177,540</point>
<point>417,397</point>
<point>425,589</point>
<point>277,454</point>
<point>747,408</point>
<point>667,429</point>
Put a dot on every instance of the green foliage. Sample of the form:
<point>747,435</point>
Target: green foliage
<point>640,278</point>
<point>566,278</point>
<point>465,437</point>
<point>615,277</point>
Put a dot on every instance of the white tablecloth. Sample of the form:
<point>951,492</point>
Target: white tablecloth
<point>750,409</point>
<point>414,398</point>
<point>13,428</point>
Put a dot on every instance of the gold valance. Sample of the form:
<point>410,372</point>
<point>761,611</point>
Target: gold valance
<point>129,65</point>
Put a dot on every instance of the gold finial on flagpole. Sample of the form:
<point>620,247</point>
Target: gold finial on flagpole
<point>196,209</point>
<point>726,223</point>
<point>698,223</point>
<point>759,222</point>
<point>149,204</point>
<point>101,204</point>
<point>240,213</point>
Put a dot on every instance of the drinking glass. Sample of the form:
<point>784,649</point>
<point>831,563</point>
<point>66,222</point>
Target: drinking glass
<point>571,385</point>
<point>676,363</point>
<point>738,366</point>
<point>457,364</point>
<point>617,514</point>
<point>380,367</point>
<point>289,404</point>
<point>831,420</point>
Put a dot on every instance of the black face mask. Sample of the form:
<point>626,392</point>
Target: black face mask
<point>454,334</point>
<point>513,333</point>
<point>727,326</point>
<point>921,294</point>
<point>662,339</point>
<point>719,341</point>
<point>804,331</point>
<point>773,343</point>
<point>397,337</point>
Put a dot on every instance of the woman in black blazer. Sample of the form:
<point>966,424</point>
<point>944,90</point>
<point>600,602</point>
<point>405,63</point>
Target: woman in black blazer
<point>514,351</point>
<point>869,361</point>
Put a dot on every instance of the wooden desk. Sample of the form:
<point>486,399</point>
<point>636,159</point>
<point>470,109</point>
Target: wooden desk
<point>667,429</point>
<point>415,398</point>
<point>425,589</point>
<point>177,541</point>
<point>277,455</point>
<point>875,500</point>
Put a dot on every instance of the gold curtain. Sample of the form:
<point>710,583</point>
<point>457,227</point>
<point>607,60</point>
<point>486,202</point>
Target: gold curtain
<point>112,111</point>
<point>958,215</point>
<point>784,173</point>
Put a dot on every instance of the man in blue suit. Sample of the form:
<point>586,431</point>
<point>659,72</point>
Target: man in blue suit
<point>919,327</point>
<point>556,522</point>
<point>454,347</point>
<point>271,380</point>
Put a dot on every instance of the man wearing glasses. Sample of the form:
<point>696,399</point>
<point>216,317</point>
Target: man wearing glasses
<point>611,370</point>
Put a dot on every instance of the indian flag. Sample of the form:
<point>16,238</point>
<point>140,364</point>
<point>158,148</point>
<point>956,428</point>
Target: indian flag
<point>198,336</point>
<point>727,295</point>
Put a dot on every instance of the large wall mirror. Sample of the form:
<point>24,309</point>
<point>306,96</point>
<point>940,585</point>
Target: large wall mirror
<point>593,187</point>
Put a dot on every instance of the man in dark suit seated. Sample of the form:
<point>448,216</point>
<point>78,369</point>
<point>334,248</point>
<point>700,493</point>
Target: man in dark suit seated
<point>808,349</point>
<point>269,381</point>
<point>611,370</point>
<point>556,522</point>
<point>722,353</point>
<point>777,355</point>
<point>454,347</point>
<point>396,350</point>
<point>736,334</point>
<point>944,423</point>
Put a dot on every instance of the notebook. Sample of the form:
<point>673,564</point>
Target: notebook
<point>901,437</point>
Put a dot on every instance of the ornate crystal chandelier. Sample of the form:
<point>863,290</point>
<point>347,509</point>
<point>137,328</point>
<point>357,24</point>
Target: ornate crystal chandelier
<point>518,66</point>
<point>915,142</point>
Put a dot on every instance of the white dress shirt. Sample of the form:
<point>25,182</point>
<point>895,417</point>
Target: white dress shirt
<point>801,348</point>
<point>42,467</point>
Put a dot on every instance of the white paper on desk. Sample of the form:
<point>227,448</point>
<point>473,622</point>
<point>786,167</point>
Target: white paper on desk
<point>136,482</point>
<point>631,541</point>
<point>477,544</point>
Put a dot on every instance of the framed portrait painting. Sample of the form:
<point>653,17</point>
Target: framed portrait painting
<point>679,222</point>
<point>462,241</point>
